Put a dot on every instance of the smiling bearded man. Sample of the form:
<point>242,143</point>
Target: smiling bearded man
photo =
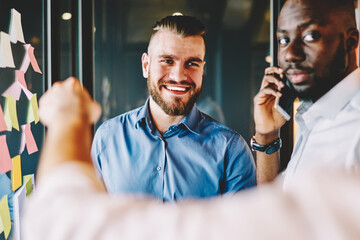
<point>168,148</point>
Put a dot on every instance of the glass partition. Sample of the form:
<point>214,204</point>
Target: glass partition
<point>31,22</point>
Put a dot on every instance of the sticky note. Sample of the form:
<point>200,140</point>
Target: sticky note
<point>10,113</point>
<point>28,182</point>
<point>5,160</point>
<point>6,57</point>
<point>26,59</point>
<point>16,177</point>
<point>29,140</point>
<point>33,110</point>
<point>18,207</point>
<point>20,77</point>
<point>5,215</point>
<point>14,90</point>
<point>1,226</point>
<point>28,94</point>
<point>22,140</point>
<point>3,126</point>
<point>33,61</point>
<point>16,31</point>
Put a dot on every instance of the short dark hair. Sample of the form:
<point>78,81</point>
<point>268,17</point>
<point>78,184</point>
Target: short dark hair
<point>345,6</point>
<point>182,25</point>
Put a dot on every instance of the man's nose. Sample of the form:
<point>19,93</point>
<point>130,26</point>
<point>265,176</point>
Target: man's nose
<point>294,52</point>
<point>178,73</point>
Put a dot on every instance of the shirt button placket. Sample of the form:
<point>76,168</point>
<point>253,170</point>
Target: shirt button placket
<point>160,167</point>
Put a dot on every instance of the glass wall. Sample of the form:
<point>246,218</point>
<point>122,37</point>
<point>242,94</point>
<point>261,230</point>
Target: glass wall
<point>31,23</point>
<point>22,81</point>
<point>237,42</point>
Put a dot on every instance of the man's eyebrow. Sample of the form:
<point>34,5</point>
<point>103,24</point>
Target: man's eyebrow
<point>166,56</point>
<point>303,25</point>
<point>191,59</point>
<point>195,59</point>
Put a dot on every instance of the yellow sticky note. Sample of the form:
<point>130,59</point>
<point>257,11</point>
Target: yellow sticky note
<point>16,178</point>
<point>27,179</point>
<point>5,216</point>
<point>7,116</point>
<point>33,110</point>
<point>11,114</point>
<point>1,226</point>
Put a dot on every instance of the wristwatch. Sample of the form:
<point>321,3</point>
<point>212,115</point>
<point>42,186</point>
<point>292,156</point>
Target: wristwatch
<point>268,149</point>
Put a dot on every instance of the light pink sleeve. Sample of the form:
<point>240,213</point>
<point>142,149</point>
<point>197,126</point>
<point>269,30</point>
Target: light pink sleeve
<point>72,204</point>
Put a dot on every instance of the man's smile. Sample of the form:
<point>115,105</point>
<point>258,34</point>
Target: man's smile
<point>177,89</point>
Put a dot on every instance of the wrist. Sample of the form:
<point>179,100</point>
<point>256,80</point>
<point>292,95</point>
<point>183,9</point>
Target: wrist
<point>266,148</point>
<point>267,138</point>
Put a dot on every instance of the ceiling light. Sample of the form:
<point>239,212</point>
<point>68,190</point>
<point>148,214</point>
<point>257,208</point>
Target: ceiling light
<point>66,16</point>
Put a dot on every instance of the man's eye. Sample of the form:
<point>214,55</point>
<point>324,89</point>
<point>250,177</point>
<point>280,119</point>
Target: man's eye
<point>311,37</point>
<point>168,61</point>
<point>283,41</point>
<point>195,64</point>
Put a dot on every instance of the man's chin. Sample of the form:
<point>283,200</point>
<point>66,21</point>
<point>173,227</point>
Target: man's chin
<point>178,109</point>
<point>308,93</point>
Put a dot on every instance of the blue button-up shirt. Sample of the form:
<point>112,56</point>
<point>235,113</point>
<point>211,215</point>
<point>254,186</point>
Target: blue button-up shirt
<point>196,158</point>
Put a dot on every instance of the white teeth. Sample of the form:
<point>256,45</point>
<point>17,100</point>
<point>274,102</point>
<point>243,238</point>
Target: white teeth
<point>176,89</point>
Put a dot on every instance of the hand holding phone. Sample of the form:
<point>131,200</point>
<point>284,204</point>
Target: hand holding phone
<point>284,104</point>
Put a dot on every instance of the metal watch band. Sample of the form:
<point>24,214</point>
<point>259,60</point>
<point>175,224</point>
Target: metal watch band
<point>268,149</point>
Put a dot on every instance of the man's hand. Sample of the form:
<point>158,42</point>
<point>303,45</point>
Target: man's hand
<point>68,111</point>
<point>68,103</point>
<point>267,119</point>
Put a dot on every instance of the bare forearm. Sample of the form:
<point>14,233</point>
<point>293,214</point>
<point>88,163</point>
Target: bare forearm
<point>267,165</point>
<point>65,142</point>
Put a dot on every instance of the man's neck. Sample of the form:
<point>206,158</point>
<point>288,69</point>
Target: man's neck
<point>162,120</point>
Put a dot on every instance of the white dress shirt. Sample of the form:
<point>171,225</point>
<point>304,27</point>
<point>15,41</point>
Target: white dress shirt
<point>70,203</point>
<point>329,130</point>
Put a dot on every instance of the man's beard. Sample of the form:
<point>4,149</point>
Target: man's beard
<point>176,107</point>
<point>335,69</point>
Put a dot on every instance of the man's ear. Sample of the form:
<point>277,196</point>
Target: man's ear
<point>352,40</point>
<point>145,65</point>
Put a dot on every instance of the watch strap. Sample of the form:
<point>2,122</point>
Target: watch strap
<point>268,149</point>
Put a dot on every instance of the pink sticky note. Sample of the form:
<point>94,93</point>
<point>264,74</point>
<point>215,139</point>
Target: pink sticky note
<point>5,160</point>
<point>26,60</point>
<point>20,78</point>
<point>28,94</point>
<point>33,61</point>
<point>3,126</point>
<point>14,90</point>
<point>29,140</point>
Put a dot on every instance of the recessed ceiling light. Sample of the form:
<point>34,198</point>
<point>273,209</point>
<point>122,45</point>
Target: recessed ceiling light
<point>66,16</point>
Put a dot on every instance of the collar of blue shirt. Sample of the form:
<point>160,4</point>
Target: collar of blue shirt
<point>190,121</point>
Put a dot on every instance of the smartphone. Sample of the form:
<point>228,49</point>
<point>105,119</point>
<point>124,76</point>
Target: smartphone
<point>284,104</point>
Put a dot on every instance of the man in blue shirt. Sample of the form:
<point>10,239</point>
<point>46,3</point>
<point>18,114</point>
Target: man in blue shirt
<point>168,148</point>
